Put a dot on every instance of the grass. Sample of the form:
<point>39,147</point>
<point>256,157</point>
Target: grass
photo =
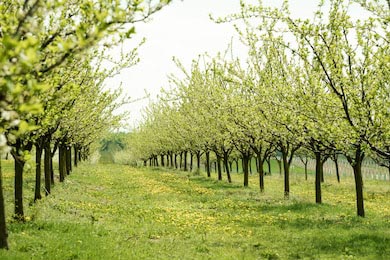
<point>118,212</point>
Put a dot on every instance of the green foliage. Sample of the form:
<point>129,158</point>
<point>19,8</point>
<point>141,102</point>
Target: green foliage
<point>113,211</point>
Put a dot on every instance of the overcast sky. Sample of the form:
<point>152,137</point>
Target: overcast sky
<point>183,29</point>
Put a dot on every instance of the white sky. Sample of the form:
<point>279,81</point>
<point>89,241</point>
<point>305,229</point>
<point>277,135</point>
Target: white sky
<point>183,29</point>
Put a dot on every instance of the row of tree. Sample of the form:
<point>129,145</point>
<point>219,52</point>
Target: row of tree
<point>52,71</point>
<point>320,85</point>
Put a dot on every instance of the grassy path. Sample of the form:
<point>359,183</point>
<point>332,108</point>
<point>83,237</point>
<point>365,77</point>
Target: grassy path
<point>116,212</point>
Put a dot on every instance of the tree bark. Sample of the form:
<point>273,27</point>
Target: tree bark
<point>219,167</point>
<point>19,165</point>
<point>287,156</point>
<point>38,158</point>
<point>52,153</point>
<point>226,163</point>
<point>208,164</point>
<point>3,227</point>
<point>185,161</point>
<point>260,170</point>
<point>319,170</point>
<point>357,171</point>
<point>68,157</point>
<point>250,164</point>
<point>336,162</point>
<point>62,162</point>
<point>245,168</point>
<point>47,166</point>
<point>75,154</point>
<point>191,161</point>
<point>162,160</point>
<point>269,165</point>
<point>198,161</point>
<point>171,159</point>
<point>286,171</point>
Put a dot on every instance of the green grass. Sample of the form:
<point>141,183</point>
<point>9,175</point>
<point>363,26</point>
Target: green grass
<point>117,212</point>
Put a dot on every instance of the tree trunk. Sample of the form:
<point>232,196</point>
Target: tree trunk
<point>171,159</point>
<point>162,160</point>
<point>260,170</point>
<point>208,164</point>
<point>62,161</point>
<point>250,165</point>
<point>75,154</point>
<point>336,162</point>
<point>357,171</point>
<point>305,170</point>
<point>286,171</point>
<point>185,161</point>
<point>245,168</point>
<point>280,165</point>
<point>19,165</point>
<point>156,160</point>
<point>47,166</point>
<point>269,165</point>
<point>175,160</point>
<point>198,161</point>
<point>219,167</point>
<point>319,172</point>
<point>38,159</point>
<point>231,166</point>
<point>181,160</point>
<point>237,165</point>
<point>191,161</point>
<point>52,153</point>
<point>68,157</point>
<point>226,163</point>
<point>3,227</point>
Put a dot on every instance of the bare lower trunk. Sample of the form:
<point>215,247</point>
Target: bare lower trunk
<point>162,161</point>
<point>47,166</point>
<point>19,212</point>
<point>68,160</point>
<point>62,162</point>
<point>185,161</point>
<point>260,169</point>
<point>319,172</point>
<point>336,162</point>
<point>3,227</point>
<point>75,152</point>
<point>357,171</point>
<point>208,164</point>
<point>198,161</point>
<point>286,171</point>
<point>38,158</point>
<point>226,163</point>
<point>269,166</point>
<point>219,168</point>
<point>191,161</point>
<point>245,168</point>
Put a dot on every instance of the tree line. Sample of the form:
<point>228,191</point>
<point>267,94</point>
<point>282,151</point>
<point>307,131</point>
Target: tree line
<point>53,57</point>
<point>316,86</point>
